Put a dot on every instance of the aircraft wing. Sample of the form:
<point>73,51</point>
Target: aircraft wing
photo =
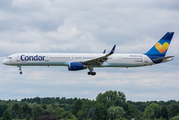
<point>163,58</point>
<point>99,61</point>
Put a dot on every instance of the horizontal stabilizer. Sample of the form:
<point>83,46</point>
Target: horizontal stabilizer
<point>163,58</point>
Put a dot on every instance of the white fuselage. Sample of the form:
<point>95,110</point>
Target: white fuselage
<point>63,59</point>
<point>80,61</point>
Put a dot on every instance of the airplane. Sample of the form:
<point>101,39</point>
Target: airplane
<point>81,61</point>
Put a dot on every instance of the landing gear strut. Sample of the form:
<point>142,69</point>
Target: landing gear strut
<point>91,70</point>
<point>20,69</point>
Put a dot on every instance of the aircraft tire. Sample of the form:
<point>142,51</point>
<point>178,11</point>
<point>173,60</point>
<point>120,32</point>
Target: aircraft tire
<point>93,73</point>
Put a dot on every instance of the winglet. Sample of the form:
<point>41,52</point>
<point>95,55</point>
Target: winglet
<point>112,51</point>
<point>104,52</point>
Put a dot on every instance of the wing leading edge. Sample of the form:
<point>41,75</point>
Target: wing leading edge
<point>99,61</point>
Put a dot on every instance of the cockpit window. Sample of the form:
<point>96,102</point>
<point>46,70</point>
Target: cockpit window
<point>9,57</point>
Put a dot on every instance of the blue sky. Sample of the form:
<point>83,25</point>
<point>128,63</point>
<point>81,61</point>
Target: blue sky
<point>88,27</point>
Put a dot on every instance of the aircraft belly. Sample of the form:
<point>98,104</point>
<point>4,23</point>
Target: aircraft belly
<point>121,65</point>
<point>42,64</point>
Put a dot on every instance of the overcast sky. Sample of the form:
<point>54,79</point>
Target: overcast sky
<point>88,26</point>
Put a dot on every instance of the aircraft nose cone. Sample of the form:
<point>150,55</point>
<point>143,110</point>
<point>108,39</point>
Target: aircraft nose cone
<point>4,62</point>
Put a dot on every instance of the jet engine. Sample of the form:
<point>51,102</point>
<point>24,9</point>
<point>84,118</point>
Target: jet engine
<point>74,66</point>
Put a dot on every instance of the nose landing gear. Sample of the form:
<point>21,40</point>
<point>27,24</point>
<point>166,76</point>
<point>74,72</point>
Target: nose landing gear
<point>20,69</point>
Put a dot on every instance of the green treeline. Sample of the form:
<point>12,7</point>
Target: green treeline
<point>111,105</point>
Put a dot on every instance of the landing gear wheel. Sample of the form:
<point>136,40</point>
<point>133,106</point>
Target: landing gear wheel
<point>93,73</point>
<point>89,73</point>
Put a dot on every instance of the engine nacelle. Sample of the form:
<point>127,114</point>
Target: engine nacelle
<point>74,66</point>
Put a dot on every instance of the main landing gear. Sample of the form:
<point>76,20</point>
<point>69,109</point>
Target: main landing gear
<point>91,71</point>
<point>20,69</point>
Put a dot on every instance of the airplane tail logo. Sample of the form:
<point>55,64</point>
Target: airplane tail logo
<point>161,47</point>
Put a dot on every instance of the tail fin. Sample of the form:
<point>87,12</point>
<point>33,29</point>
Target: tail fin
<point>161,47</point>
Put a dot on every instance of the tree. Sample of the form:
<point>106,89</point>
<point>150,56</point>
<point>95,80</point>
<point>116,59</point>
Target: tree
<point>13,114</point>
<point>80,115</point>
<point>76,107</point>
<point>49,110</point>
<point>44,106</point>
<point>26,110</point>
<point>174,110</point>
<point>46,117</point>
<point>149,111</point>
<point>128,109</point>
<point>27,117</point>
<point>3,108</point>
<point>33,105</point>
<point>157,113</point>
<point>164,112</point>
<point>58,112</point>
<point>175,118</point>
<point>37,112</point>
<point>132,112</point>
<point>67,115</point>
<point>115,112</point>
<point>6,115</point>
<point>87,109</point>
<point>111,98</point>
<point>37,100</point>
<point>90,112</point>
<point>94,117</point>
<point>15,108</point>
